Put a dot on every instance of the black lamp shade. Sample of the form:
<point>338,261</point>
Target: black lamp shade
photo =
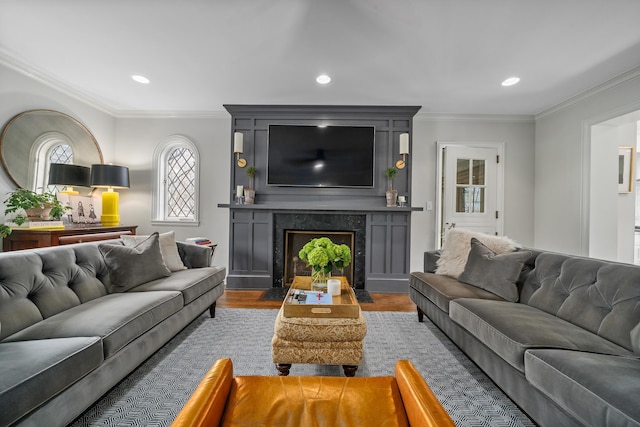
<point>70,175</point>
<point>109,176</point>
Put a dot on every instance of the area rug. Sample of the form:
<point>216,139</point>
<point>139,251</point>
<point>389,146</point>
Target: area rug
<point>154,393</point>
<point>278,294</point>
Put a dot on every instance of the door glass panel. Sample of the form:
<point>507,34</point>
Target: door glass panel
<point>462,171</point>
<point>470,200</point>
<point>478,172</point>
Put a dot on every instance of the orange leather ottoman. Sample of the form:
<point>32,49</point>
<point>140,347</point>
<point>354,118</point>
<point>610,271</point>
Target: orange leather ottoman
<point>224,400</point>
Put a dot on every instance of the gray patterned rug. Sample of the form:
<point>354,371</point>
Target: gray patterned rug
<point>154,393</point>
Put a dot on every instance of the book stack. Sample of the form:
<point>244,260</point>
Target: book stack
<point>37,225</point>
<point>199,241</point>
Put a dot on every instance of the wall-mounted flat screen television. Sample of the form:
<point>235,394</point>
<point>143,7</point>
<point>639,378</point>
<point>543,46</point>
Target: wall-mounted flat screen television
<point>321,156</point>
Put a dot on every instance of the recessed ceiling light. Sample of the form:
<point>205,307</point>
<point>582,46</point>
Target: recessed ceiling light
<point>140,79</point>
<point>511,81</point>
<point>323,79</point>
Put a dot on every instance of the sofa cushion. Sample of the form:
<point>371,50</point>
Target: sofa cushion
<point>440,289</point>
<point>168,248</point>
<point>509,329</point>
<point>496,273</point>
<point>456,247</point>
<point>133,266</point>
<point>192,283</point>
<point>597,389</point>
<point>117,318</point>
<point>602,297</point>
<point>32,372</point>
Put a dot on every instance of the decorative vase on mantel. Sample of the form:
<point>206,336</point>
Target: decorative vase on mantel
<point>391,194</point>
<point>250,193</point>
<point>249,196</point>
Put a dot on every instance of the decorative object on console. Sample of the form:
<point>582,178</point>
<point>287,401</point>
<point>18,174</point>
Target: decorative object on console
<point>391,194</point>
<point>457,245</point>
<point>322,255</point>
<point>238,148</point>
<point>36,206</point>
<point>109,177</point>
<point>250,192</point>
<point>404,150</point>
<point>69,176</point>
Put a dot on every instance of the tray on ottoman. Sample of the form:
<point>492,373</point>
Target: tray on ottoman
<point>343,305</point>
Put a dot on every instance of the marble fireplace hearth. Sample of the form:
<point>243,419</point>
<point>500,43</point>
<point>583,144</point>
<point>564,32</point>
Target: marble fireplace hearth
<point>318,223</point>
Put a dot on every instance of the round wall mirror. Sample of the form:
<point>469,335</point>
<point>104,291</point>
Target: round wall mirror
<point>33,139</point>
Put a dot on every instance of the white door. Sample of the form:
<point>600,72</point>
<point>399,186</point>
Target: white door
<point>470,189</point>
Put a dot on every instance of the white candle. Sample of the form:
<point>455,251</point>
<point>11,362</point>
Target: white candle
<point>239,190</point>
<point>404,143</point>
<point>401,199</point>
<point>333,287</point>
<point>238,139</point>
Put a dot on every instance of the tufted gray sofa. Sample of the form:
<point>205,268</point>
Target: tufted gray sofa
<point>65,341</point>
<point>568,352</point>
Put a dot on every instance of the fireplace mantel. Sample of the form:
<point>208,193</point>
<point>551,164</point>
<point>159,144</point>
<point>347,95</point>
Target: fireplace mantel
<point>319,207</point>
<point>253,229</point>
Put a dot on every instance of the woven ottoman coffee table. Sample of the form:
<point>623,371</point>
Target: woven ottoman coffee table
<point>320,339</point>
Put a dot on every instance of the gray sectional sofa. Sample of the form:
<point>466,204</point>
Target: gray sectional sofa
<point>567,352</point>
<point>67,335</point>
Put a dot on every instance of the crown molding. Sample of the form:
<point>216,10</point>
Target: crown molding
<point>153,114</point>
<point>497,118</point>
<point>26,70</point>
<point>10,62</point>
<point>610,84</point>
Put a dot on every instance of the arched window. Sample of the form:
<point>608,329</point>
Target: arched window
<point>176,196</point>
<point>51,147</point>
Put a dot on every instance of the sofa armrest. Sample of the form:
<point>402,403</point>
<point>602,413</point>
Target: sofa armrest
<point>422,407</point>
<point>194,256</point>
<point>206,405</point>
<point>430,260</point>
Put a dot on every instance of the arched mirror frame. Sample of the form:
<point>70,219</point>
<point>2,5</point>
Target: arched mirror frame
<point>20,135</point>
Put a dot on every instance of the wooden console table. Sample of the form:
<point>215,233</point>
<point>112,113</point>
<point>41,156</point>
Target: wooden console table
<point>29,239</point>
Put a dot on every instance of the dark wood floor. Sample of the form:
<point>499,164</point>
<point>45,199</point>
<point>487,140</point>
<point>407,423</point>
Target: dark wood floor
<point>253,299</point>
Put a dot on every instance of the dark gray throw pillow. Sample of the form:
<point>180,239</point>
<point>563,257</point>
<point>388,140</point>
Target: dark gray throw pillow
<point>497,274</point>
<point>130,266</point>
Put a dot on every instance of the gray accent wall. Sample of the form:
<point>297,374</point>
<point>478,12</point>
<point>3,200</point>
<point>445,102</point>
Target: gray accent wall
<point>252,231</point>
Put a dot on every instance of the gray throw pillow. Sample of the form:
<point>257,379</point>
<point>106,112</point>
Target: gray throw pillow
<point>497,274</point>
<point>132,266</point>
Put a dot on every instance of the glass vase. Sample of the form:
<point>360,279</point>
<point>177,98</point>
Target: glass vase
<point>319,280</point>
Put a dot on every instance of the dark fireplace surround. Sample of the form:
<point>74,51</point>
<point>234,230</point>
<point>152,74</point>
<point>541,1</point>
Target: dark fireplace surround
<point>318,223</point>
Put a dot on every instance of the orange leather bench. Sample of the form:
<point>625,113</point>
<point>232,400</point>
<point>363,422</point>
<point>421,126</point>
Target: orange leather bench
<point>224,400</point>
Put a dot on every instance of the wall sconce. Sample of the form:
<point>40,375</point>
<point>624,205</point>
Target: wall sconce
<point>404,150</point>
<point>109,177</point>
<point>238,141</point>
<point>69,176</point>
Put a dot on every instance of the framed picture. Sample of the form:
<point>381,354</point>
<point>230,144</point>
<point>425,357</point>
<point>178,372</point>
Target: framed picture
<point>625,169</point>
<point>84,209</point>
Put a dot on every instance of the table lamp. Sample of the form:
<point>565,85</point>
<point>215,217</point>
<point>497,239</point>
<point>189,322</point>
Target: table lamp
<point>109,177</point>
<point>69,176</point>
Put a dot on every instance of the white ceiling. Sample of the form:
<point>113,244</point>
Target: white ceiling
<point>449,56</point>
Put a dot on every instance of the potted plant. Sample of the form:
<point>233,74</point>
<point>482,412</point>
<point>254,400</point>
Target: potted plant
<point>250,192</point>
<point>391,194</point>
<point>30,205</point>
<point>321,254</point>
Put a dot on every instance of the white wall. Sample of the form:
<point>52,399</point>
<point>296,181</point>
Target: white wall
<point>562,162</point>
<point>19,93</point>
<point>137,139</point>
<point>516,132</point>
